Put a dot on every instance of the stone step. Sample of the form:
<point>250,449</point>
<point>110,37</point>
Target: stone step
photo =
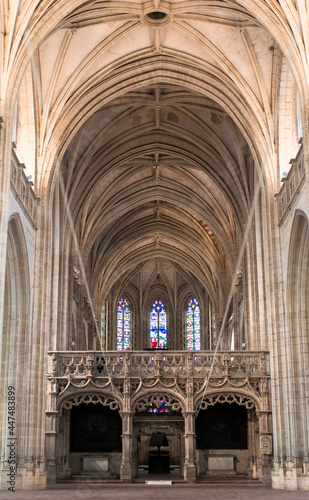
<point>92,478</point>
<point>228,479</point>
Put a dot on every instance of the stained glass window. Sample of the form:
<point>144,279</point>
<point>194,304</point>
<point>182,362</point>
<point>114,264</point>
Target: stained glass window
<point>158,406</point>
<point>193,326</point>
<point>158,335</point>
<point>123,325</point>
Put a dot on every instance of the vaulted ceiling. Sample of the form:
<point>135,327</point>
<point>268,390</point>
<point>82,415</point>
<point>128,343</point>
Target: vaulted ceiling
<point>162,115</point>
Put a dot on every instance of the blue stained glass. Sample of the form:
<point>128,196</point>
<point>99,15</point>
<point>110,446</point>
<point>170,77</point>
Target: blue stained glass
<point>158,323</point>
<point>123,325</point>
<point>193,326</point>
<point>158,407</point>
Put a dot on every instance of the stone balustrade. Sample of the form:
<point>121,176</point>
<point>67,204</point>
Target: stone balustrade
<point>23,190</point>
<point>158,363</point>
<point>291,186</point>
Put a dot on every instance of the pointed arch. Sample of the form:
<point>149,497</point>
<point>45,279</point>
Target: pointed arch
<point>298,277</point>
<point>158,324</point>
<point>297,303</point>
<point>124,325</point>
<point>193,325</point>
<point>15,339</point>
<point>17,283</point>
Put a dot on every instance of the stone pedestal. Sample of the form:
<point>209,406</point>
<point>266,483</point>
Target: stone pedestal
<point>221,465</point>
<point>95,466</point>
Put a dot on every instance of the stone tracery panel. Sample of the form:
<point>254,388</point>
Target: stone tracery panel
<point>158,382</point>
<point>89,398</point>
<point>227,397</point>
<point>147,400</point>
<point>167,364</point>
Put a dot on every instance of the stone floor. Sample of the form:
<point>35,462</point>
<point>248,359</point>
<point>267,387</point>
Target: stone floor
<point>82,491</point>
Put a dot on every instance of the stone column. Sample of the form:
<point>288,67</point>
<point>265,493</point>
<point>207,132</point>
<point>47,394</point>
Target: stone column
<point>63,455</point>
<point>252,445</point>
<point>265,446</point>
<point>265,434</point>
<point>189,416</point>
<point>126,469</point>
<point>190,445</point>
<point>51,426</point>
<point>135,453</point>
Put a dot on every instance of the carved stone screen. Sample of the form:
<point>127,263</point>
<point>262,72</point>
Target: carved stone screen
<point>222,426</point>
<point>95,429</point>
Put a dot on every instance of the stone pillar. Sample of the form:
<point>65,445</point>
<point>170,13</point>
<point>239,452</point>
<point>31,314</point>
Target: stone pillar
<point>50,436</point>
<point>252,445</point>
<point>265,448</point>
<point>51,431</point>
<point>126,469</point>
<point>135,454</point>
<point>190,445</point>
<point>265,433</point>
<point>63,449</point>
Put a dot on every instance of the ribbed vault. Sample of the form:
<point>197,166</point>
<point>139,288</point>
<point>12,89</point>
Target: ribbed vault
<point>157,120</point>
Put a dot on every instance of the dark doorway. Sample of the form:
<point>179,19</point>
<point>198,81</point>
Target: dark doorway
<point>95,429</point>
<point>222,427</point>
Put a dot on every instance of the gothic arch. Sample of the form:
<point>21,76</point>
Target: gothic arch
<point>167,248</point>
<point>228,396</point>
<point>93,397</point>
<point>159,294</point>
<point>200,81</point>
<point>125,297</point>
<point>16,321</point>
<point>297,273</point>
<point>185,305</point>
<point>18,286</point>
<point>297,304</point>
<point>143,401</point>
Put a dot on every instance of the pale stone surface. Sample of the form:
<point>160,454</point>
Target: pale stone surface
<point>221,465</point>
<point>156,133</point>
<point>99,464</point>
<point>240,460</point>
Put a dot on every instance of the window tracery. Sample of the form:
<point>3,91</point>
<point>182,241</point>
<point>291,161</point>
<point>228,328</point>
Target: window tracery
<point>158,324</point>
<point>193,325</point>
<point>123,325</point>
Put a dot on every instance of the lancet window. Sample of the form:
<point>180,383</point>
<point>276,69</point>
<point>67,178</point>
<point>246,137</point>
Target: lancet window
<point>123,325</point>
<point>158,324</point>
<point>193,326</point>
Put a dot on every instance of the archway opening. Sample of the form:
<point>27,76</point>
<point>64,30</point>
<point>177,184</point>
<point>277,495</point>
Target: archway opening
<point>95,441</point>
<point>222,426</point>
<point>222,440</point>
<point>158,414</point>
